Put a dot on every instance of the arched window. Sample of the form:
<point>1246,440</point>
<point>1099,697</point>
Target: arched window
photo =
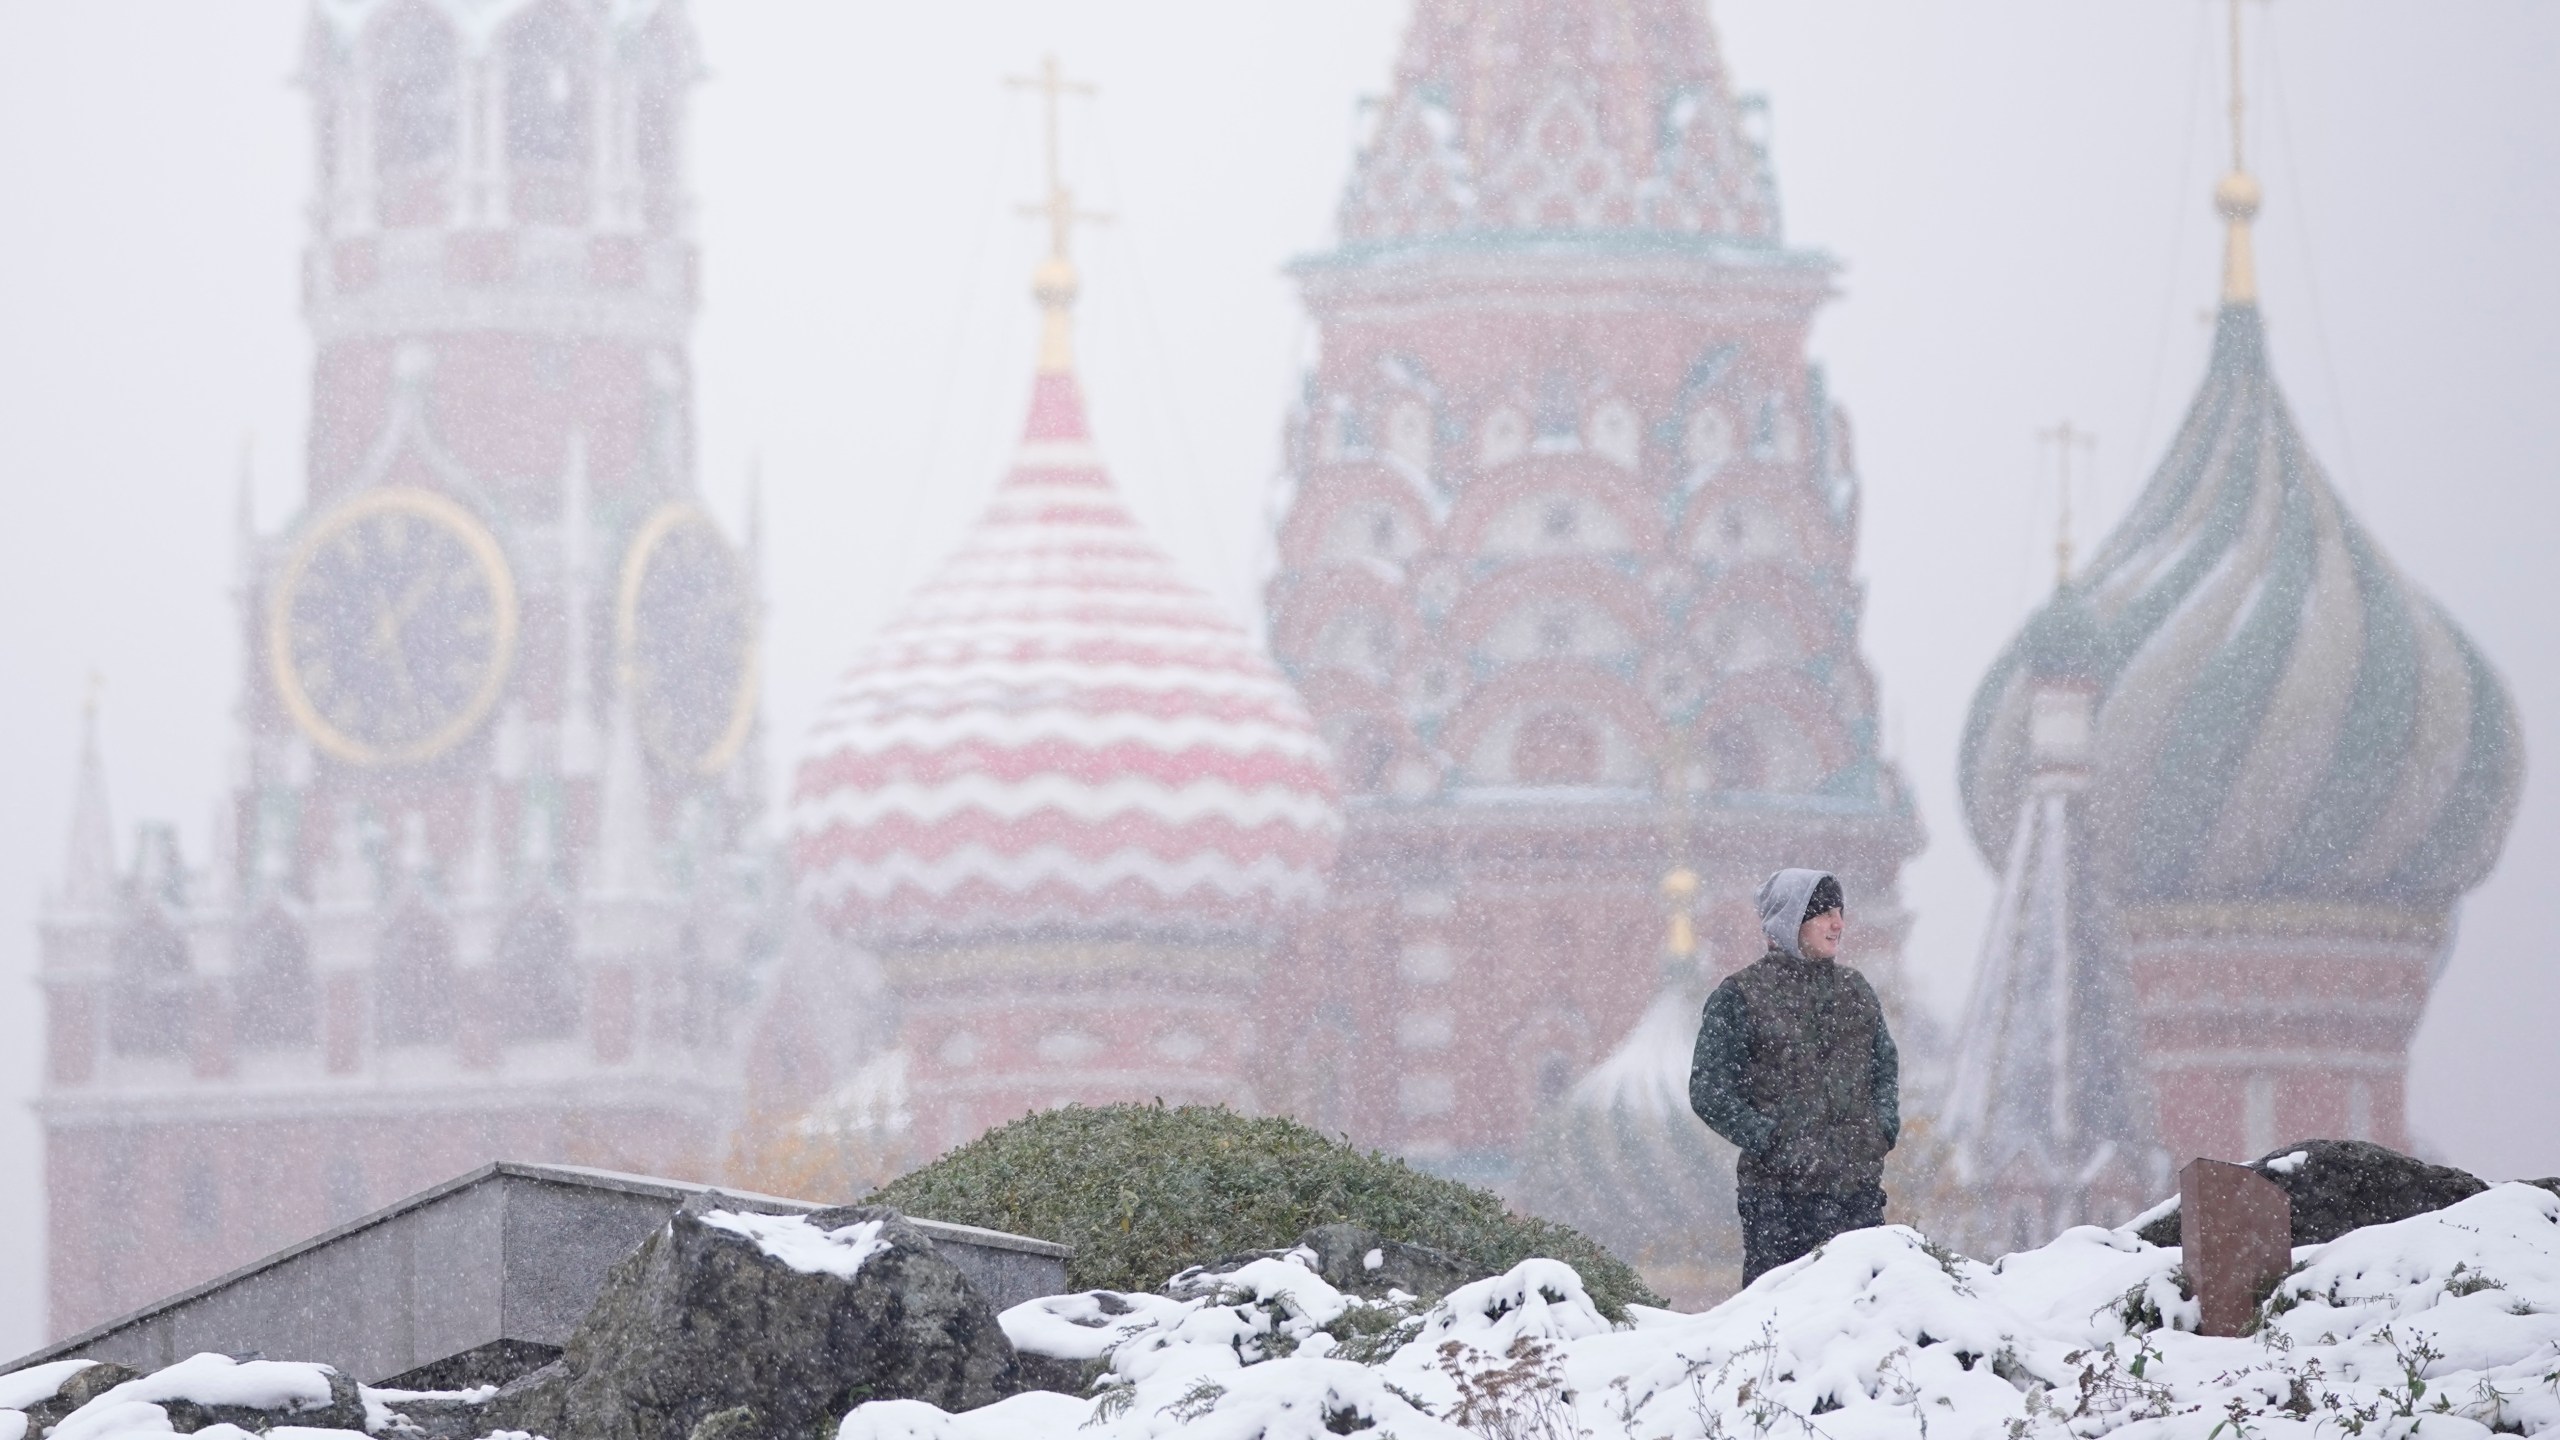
<point>273,1002</point>
<point>413,981</point>
<point>1555,747</point>
<point>550,95</point>
<point>537,997</point>
<point>549,89</point>
<point>414,72</point>
<point>149,1013</point>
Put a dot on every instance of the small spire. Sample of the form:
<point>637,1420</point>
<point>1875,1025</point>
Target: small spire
<point>89,864</point>
<point>2237,195</point>
<point>1053,281</point>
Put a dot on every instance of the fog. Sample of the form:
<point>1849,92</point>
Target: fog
<point>2018,193</point>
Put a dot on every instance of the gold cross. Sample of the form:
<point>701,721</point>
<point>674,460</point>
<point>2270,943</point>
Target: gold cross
<point>1059,206</point>
<point>2066,437</point>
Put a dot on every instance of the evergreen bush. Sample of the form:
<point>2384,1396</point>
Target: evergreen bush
<point>1145,1191</point>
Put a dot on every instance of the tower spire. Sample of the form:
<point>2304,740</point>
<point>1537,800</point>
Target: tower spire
<point>2237,195</point>
<point>89,863</point>
<point>1053,281</point>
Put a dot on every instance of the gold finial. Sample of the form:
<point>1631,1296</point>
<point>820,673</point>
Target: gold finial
<point>1680,892</point>
<point>2066,437</point>
<point>2237,196</point>
<point>1053,281</point>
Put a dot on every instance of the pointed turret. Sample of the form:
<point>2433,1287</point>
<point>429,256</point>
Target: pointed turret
<point>89,860</point>
<point>2048,1117</point>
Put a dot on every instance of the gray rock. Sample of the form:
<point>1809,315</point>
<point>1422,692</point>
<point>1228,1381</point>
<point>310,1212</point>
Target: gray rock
<point>1342,1254</point>
<point>2344,1185</point>
<point>344,1410</point>
<point>700,1323</point>
<point>1343,1251</point>
<point>78,1389</point>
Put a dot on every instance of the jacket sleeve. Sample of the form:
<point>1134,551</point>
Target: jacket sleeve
<point>1715,1074</point>
<point>1888,1080</point>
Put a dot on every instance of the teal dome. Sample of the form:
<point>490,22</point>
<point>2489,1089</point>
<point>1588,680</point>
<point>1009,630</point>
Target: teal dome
<point>2282,715</point>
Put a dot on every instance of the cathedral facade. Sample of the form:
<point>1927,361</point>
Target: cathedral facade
<point>483,884</point>
<point>1565,576</point>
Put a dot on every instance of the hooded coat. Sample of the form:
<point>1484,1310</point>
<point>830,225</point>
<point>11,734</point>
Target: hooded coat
<point>1794,1063</point>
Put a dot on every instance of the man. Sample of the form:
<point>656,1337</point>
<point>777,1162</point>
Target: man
<point>1795,1066</point>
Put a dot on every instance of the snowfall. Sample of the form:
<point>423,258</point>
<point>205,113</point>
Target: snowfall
<point>2442,1326</point>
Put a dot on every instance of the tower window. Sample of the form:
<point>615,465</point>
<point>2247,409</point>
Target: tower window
<point>273,1001</point>
<point>547,89</point>
<point>150,1010</point>
<point>414,66</point>
<point>535,998</point>
<point>413,981</point>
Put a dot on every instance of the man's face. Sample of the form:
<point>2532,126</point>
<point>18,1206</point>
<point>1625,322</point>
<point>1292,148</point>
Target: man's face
<point>1819,938</point>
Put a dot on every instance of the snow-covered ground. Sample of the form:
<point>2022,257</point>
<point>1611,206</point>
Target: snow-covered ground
<point>2444,1325</point>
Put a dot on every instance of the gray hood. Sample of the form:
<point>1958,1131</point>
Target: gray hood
<point>1782,898</point>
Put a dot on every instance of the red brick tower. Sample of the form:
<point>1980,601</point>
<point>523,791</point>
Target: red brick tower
<point>481,888</point>
<point>1565,572</point>
<point>2298,766</point>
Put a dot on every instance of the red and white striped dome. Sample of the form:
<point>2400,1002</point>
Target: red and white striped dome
<point>1059,733</point>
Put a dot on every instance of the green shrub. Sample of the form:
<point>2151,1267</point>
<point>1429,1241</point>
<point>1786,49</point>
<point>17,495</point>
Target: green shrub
<point>1143,1192</point>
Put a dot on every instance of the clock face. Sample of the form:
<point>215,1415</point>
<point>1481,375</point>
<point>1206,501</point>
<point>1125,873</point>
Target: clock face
<point>687,632</point>
<point>391,627</point>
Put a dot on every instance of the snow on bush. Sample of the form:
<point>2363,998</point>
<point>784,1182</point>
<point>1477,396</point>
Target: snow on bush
<point>2441,1326</point>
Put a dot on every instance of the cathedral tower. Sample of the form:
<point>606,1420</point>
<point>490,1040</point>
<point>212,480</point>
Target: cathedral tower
<point>1565,572</point>
<point>482,886</point>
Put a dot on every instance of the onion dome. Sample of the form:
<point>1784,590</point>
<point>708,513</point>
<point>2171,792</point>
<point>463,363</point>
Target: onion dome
<point>1059,734</point>
<point>2283,716</point>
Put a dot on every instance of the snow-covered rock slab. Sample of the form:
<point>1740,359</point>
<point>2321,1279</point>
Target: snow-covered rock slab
<point>2441,1325</point>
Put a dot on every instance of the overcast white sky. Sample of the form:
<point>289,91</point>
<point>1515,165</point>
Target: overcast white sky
<point>2017,189</point>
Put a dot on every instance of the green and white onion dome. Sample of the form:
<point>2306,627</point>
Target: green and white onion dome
<point>2282,716</point>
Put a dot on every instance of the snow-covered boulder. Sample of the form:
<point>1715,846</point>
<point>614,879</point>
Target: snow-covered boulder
<point>2442,1325</point>
<point>2341,1185</point>
<point>766,1325</point>
<point>210,1395</point>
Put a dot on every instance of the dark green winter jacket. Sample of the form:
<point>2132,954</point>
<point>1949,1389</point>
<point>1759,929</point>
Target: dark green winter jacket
<point>1795,1065</point>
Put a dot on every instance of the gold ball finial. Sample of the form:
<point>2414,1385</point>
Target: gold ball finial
<point>2236,197</point>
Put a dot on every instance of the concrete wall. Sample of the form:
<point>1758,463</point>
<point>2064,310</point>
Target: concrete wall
<point>474,1281</point>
